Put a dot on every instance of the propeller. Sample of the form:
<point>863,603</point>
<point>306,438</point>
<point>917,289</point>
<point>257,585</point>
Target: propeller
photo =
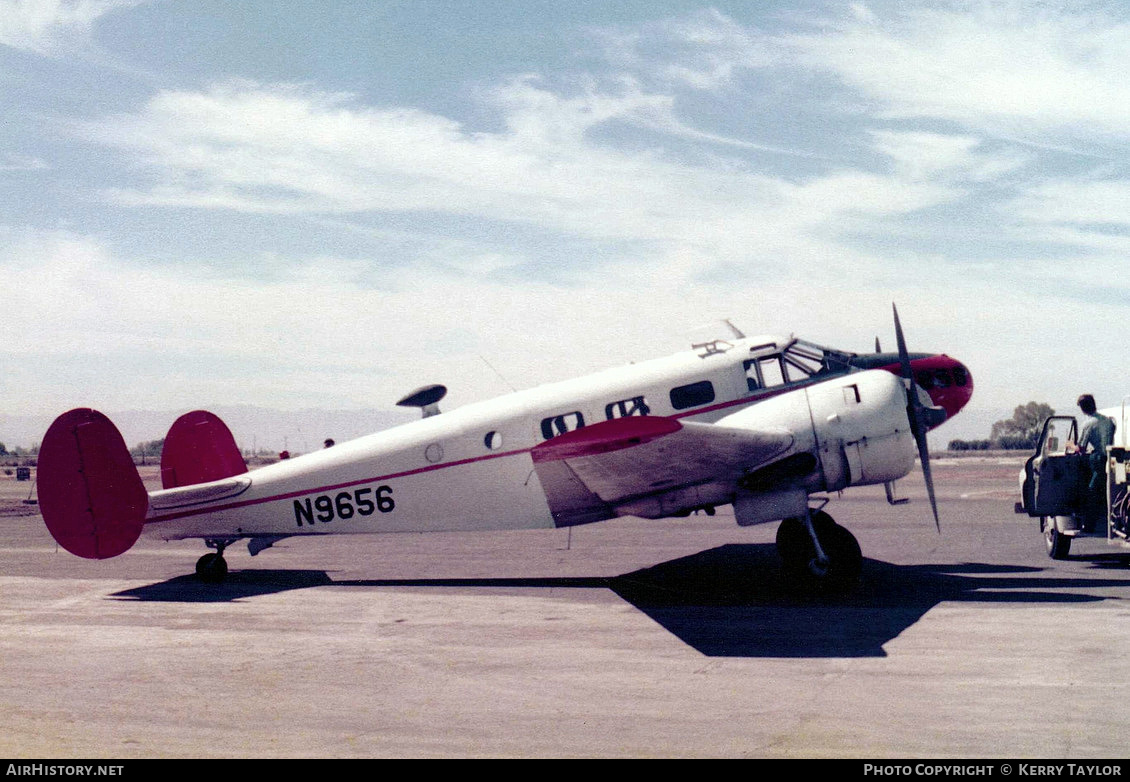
<point>919,416</point>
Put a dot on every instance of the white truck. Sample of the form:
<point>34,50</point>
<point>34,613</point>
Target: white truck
<point>1056,486</point>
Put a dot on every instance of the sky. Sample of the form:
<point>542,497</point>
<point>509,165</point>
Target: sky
<point>294,204</point>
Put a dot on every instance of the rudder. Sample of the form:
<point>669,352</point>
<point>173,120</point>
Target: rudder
<point>90,494</point>
<point>199,448</point>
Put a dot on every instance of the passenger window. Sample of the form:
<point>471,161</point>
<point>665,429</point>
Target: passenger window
<point>637,405</point>
<point>692,395</point>
<point>560,424</point>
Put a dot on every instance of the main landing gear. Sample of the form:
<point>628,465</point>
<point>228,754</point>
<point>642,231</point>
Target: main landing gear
<point>213,568</point>
<point>818,553</point>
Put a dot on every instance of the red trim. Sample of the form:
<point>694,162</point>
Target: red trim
<point>950,398</point>
<point>605,437</point>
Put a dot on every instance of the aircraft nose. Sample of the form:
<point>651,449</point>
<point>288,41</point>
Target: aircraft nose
<point>949,384</point>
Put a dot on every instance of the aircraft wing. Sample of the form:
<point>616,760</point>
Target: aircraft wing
<point>647,465</point>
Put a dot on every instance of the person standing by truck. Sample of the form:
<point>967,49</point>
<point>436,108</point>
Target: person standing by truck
<point>1096,437</point>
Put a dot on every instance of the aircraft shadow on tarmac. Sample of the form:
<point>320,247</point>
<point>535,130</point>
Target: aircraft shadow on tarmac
<point>729,601</point>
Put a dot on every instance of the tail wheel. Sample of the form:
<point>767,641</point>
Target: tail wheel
<point>212,568</point>
<point>798,554</point>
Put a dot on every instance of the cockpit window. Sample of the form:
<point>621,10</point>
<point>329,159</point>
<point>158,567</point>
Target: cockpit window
<point>772,371</point>
<point>752,379</point>
<point>560,424</point>
<point>812,359</point>
<point>637,405</point>
<point>960,377</point>
<point>796,362</point>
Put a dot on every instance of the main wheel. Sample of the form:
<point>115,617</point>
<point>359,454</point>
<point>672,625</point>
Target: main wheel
<point>845,558</point>
<point>794,545</point>
<point>798,554</point>
<point>1058,544</point>
<point>212,568</point>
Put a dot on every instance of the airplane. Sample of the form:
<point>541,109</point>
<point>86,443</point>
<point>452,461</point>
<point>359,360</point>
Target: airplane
<point>770,425</point>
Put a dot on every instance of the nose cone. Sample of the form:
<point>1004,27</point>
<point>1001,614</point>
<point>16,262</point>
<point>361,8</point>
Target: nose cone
<point>946,380</point>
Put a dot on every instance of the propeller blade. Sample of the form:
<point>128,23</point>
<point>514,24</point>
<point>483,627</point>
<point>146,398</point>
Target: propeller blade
<point>924,460</point>
<point>904,357</point>
<point>915,412</point>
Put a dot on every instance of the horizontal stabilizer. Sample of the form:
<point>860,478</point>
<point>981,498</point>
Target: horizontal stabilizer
<point>91,497</point>
<point>199,448</point>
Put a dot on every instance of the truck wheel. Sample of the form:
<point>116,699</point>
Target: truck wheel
<point>1058,544</point>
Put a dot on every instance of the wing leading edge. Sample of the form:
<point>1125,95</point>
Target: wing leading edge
<point>649,466</point>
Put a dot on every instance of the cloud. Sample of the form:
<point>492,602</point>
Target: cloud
<point>922,155</point>
<point>1079,201</point>
<point>288,149</point>
<point>13,162</point>
<point>49,26</point>
<point>705,50</point>
<point>1020,67</point>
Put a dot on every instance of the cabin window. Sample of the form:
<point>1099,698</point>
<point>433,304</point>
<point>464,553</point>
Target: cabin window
<point>560,424</point>
<point>692,395</point>
<point>493,440</point>
<point>637,405</point>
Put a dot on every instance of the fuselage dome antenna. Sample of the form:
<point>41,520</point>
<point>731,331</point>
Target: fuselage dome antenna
<point>426,398</point>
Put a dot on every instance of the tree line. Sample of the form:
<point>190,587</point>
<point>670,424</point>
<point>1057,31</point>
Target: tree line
<point>1021,432</point>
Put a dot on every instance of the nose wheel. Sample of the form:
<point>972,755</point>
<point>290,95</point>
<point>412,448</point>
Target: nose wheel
<point>826,557</point>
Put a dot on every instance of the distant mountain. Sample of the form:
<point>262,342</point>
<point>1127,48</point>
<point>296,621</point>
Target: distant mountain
<point>300,431</point>
<point>254,428</point>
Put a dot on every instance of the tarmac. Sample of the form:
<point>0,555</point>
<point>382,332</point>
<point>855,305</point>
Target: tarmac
<point>628,638</point>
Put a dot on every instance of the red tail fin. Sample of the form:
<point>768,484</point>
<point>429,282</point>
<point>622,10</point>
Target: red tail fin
<point>90,494</point>
<point>199,448</point>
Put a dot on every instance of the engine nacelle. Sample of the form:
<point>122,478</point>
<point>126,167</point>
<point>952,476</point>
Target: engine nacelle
<point>855,427</point>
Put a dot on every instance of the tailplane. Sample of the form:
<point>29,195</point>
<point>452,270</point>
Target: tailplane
<point>199,448</point>
<point>90,494</point>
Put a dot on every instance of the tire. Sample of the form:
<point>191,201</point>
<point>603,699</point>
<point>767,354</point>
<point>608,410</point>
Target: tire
<point>1058,544</point>
<point>845,558</point>
<point>794,545</point>
<point>211,568</point>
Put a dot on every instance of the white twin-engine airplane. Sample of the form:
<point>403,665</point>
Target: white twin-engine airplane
<point>761,423</point>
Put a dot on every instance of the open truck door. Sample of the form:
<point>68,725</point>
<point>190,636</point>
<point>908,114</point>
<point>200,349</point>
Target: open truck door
<point>1053,485</point>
